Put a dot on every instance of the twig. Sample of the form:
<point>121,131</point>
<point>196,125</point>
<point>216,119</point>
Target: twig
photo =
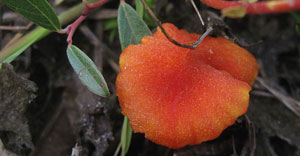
<point>99,46</point>
<point>163,29</point>
<point>13,28</point>
<point>289,102</point>
<point>97,49</point>
<point>157,21</point>
<point>197,11</point>
<point>114,65</point>
<point>104,14</point>
<point>18,35</point>
<point>233,147</point>
<point>117,150</point>
<point>262,93</point>
<point>251,136</point>
<point>76,151</point>
<point>90,35</point>
<point>200,39</point>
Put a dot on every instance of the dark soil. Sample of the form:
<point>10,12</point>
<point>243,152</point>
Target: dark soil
<point>46,111</point>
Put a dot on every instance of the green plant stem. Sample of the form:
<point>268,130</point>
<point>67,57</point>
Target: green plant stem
<point>9,53</point>
<point>296,16</point>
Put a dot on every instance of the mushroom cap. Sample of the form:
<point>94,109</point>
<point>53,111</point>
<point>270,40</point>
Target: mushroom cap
<point>178,96</point>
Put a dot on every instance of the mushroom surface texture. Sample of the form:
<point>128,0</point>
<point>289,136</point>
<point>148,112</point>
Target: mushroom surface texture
<point>178,96</point>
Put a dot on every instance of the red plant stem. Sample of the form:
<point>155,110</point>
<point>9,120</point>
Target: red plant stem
<point>70,30</point>
<point>95,4</point>
<point>264,7</point>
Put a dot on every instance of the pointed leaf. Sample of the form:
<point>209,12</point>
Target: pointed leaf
<point>38,11</point>
<point>132,28</point>
<point>139,7</point>
<point>87,71</point>
<point>125,136</point>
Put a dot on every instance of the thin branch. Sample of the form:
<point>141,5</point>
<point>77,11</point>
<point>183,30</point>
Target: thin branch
<point>157,21</point>
<point>16,28</point>
<point>288,101</point>
<point>197,11</point>
<point>251,136</point>
<point>200,39</point>
<point>76,150</point>
<point>114,65</point>
<point>233,147</point>
<point>163,29</point>
<point>13,28</point>
<point>117,150</point>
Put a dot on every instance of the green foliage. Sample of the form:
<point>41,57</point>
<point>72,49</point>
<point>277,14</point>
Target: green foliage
<point>132,29</point>
<point>87,71</point>
<point>235,12</point>
<point>148,19</point>
<point>139,8</point>
<point>111,25</point>
<point>298,28</point>
<point>125,136</point>
<point>9,53</point>
<point>297,18</point>
<point>23,44</point>
<point>38,11</point>
<point>252,1</point>
<point>92,1</point>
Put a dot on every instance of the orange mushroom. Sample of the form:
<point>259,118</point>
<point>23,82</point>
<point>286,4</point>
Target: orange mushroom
<point>257,7</point>
<point>178,96</point>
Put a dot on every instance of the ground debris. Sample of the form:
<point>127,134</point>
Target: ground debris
<point>277,128</point>
<point>95,124</point>
<point>4,152</point>
<point>15,95</point>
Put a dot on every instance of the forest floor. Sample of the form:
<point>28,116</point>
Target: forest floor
<point>46,111</point>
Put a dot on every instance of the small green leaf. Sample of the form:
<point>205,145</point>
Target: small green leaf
<point>92,1</point>
<point>252,1</point>
<point>125,136</point>
<point>235,12</point>
<point>110,24</point>
<point>87,71</point>
<point>38,11</point>
<point>147,18</point>
<point>139,8</point>
<point>297,18</point>
<point>298,29</point>
<point>112,35</point>
<point>132,28</point>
